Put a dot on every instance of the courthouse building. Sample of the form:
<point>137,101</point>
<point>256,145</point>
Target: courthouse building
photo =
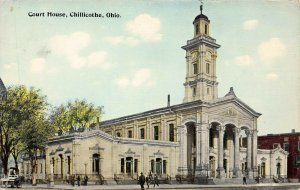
<point>198,139</point>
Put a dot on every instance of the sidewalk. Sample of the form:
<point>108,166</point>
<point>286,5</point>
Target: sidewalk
<point>295,186</point>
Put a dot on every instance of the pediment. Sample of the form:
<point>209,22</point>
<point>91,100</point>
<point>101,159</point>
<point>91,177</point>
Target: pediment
<point>230,111</point>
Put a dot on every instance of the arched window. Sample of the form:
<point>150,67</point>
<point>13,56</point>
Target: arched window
<point>206,29</point>
<point>195,68</point>
<point>207,68</point>
<point>197,29</point>
<point>156,134</point>
<point>96,163</point>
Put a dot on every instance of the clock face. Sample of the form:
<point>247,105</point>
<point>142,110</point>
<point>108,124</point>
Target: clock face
<point>194,55</point>
<point>208,55</point>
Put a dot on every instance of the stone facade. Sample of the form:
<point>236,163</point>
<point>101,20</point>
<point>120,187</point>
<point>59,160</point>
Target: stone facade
<point>198,139</point>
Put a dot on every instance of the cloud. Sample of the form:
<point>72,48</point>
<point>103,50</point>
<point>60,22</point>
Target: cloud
<point>70,47</point>
<point>271,50</point>
<point>250,24</point>
<point>37,65</point>
<point>122,82</point>
<point>243,60</point>
<point>139,78</point>
<point>272,76</point>
<point>69,44</point>
<point>119,40</point>
<point>98,59</point>
<point>146,27</point>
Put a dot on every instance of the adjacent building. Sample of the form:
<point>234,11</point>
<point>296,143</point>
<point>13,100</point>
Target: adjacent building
<point>290,142</point>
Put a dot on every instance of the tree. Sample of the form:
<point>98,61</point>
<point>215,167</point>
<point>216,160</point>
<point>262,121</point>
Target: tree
<point>34,136</point>
<point>20,106</point>
<point>76,115</point>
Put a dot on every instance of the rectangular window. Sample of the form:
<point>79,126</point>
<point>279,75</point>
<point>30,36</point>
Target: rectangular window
<point>152,166</point>
<point>206,29</point>
<point>142,133</point>
<point>297,160</point>
<point>156,136</point>
<point>195,68</point>
<point>171,132</point>
<point>129,134</point>
<point>286,146</point>
<point>135,165</point>
<point>122,165</point>
<point>164,166</point>
<point>275,145</point>
<point>41,170</point>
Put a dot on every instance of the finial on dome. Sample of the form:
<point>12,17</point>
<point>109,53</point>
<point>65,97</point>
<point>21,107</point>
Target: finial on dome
<point>201,6</point>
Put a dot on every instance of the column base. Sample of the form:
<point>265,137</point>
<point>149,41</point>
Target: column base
<point>183,170</point>
<point>250,174</point>
<point>201,172</point>
<point>237,173</point>
<point>220,173</point>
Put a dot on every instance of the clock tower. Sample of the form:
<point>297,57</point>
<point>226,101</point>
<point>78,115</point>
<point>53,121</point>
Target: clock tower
<point>201,53</point>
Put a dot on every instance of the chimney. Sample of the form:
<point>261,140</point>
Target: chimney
<point>168,100</point>
<point>97,127</point>
<point>293,130</point>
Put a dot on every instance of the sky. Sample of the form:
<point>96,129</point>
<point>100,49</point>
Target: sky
<point>129,60</point>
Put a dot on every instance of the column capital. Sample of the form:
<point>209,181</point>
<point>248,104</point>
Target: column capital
<point>237,131</point>
<point>221,128</point>
<point>249,132</point>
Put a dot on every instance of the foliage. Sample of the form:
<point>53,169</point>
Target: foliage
<point>20,106</point>
<point>75,115</point>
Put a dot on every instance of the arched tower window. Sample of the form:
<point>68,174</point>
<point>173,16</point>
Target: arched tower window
<point>206,29</point>
<point>207,68</point>
<point>197,29</point>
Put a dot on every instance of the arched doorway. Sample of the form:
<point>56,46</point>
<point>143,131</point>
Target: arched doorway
<point>278,169</point>
<point>263,170</point>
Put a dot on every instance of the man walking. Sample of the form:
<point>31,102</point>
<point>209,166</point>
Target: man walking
<point>244,180</point>
<point>155,180</point>
<point>142,180</point>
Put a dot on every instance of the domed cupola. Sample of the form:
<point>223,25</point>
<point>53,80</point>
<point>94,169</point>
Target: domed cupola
<point>201,24</point>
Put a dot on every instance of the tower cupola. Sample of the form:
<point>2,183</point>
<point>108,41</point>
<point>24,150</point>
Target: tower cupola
<point>201,24</point>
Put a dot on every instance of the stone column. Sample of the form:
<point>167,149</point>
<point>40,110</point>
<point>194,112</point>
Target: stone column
<point>182,131</point>
<point>254,153</point>
<point>249,155</point>
<point>236,169</point>
<point>220,169</point>
<point>198,147</point>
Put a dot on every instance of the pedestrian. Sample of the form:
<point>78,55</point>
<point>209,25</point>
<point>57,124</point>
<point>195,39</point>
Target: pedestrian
<point>73,180</point>
<point>147,181</point>
<point>142,180</point>
<point>85,180</point>
<point>244,180</point>
<point>78,180</point>
<point>155,180</point>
